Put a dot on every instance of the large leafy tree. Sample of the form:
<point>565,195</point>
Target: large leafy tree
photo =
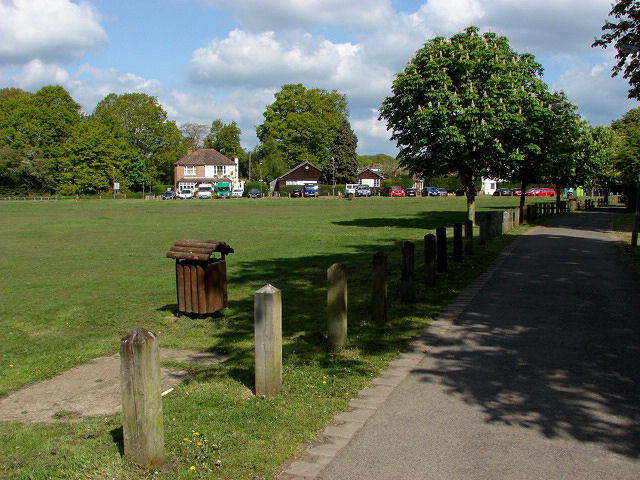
<point>268,162</point>
<point>41,120</point>
<point>91,158</point>
<point>303,122</point>
<point>606,144</point>
<point>628,156</point>
<point>194,134</point>
<point>23,170</point>
<point>344,160</point>
<point>225,138</point>
<point>623,31</point>
<point>141,120</point>
<point>451,106</point>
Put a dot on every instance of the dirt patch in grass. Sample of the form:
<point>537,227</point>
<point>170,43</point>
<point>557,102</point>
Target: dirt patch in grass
<point>92,389</point>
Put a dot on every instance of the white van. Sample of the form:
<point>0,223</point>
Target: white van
<point>237,192</point>
<point>205,190</point>
<point>350,188</point>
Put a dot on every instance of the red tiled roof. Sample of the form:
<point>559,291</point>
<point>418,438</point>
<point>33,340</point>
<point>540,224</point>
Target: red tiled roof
<point>205,156</point>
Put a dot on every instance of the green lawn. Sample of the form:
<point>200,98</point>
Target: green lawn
<point>79,275</point>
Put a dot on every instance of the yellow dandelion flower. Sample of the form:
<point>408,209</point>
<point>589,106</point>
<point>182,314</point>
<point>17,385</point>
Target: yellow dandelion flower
<point>199,444</point>
<point>324,378</point>
<point>185,439</point>
<point>196,434</point>
<point>206,441</point>
<point>324,381</point>
<point>214,445</point>
<point>192,468</point>
<point>11,365</point>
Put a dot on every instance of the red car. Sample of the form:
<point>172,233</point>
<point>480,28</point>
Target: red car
<point>546,192</point>
<point>395,192</point>
<point>517,191</point>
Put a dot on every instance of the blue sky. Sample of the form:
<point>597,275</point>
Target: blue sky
<point>210,59</point>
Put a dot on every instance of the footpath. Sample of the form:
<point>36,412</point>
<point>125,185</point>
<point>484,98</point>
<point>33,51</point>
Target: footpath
<point>533,373</point>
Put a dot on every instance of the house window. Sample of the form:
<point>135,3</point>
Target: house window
<point>219,169</point>
<point>376,182</point>
<point>183,185</point>
<point>190,170</point>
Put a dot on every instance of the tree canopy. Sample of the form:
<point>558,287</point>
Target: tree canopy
<point>451,106</point>
<point>343,167</point>
<point>623,31</point>
<point>303,123</point>
<point>143,123</point>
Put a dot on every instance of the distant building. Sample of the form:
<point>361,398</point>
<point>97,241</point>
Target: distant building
<point>205,165</point>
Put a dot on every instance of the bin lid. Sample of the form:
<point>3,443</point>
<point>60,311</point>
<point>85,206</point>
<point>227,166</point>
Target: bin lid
<point>197,249</point>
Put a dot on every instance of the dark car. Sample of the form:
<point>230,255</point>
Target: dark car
<point>169,195</point>
<point>310,190</point>
<point>410,192</point>
<point>443,192</point>
<point>296,193</point>
<point>503,192</point>
<point>254,193</point>
<point>430,192</point>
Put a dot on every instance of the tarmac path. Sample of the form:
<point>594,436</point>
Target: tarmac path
<point>536,378</point>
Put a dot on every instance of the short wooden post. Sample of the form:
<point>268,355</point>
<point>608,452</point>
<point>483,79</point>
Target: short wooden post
<point>441,240</point>
<point>379,289</point>
<point>506,221</point>
<point>337,305</point>
<point>516,217</point>
<point>430,259</point>
<point>483,231</point>
<point>408,269</point>
<point>468,237</point>
<point>457,242</point>
<point>140,391</point>
<point>267,312</point>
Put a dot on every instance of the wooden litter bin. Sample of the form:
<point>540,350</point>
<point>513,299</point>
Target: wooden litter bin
<point>201,281</point>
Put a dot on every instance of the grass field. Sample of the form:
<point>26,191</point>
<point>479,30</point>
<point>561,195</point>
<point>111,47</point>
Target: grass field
<point>79,275</point>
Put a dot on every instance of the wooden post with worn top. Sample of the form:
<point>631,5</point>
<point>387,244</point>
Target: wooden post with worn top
<point>407,293</point>
<point>379,289</point>
<point>441,240</point>
<point>267,312</point>
<point>140,387</point>
<point>337,305</point>
<point>430,259</point>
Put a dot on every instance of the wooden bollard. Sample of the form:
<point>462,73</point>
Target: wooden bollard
<point>140,385</point>
<point>430,259</point>
<point>506,221</point>
<point>457,242</point>
<point>379,289</point>
<point>337,305</point>
<point>407,293</point>
<point>441,247</point>
<point>483,231</point>
<point>267,312</point>
<point>468,237</point>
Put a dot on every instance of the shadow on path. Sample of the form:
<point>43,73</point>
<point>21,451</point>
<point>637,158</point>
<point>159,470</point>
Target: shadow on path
<point>552,341</point>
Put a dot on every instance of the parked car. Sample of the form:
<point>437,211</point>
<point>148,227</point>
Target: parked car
<point>310,190</point>
<point>237,193</point>
<point>410,192</point>
<point>185,193</point>
<point>443,192</point>
<point>516,192</point>
<point>254,193</point>
<point>350,189</point>
<point>503,192</point>
<point>461,193</point>
<point>430,192</point>
<point>363,191</point>
<point>169,195</point>
<point>546,192</point>
<point>295,193</point>
<point>540,192</point>
<point>395,191</point>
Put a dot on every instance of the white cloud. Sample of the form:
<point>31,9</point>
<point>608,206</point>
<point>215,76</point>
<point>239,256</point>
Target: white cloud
<point>258,15</point>
<point>37,74</point>
<point>47,30</point>
<point>600,98</point>
<point>373,136</point>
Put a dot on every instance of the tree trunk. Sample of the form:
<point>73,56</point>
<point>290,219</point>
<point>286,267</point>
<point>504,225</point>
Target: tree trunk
<point>470,191</point>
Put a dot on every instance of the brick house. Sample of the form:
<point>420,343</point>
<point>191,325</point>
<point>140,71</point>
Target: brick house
<point>299,175</point>
<point>370,176</point>
<point>205,165</point>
